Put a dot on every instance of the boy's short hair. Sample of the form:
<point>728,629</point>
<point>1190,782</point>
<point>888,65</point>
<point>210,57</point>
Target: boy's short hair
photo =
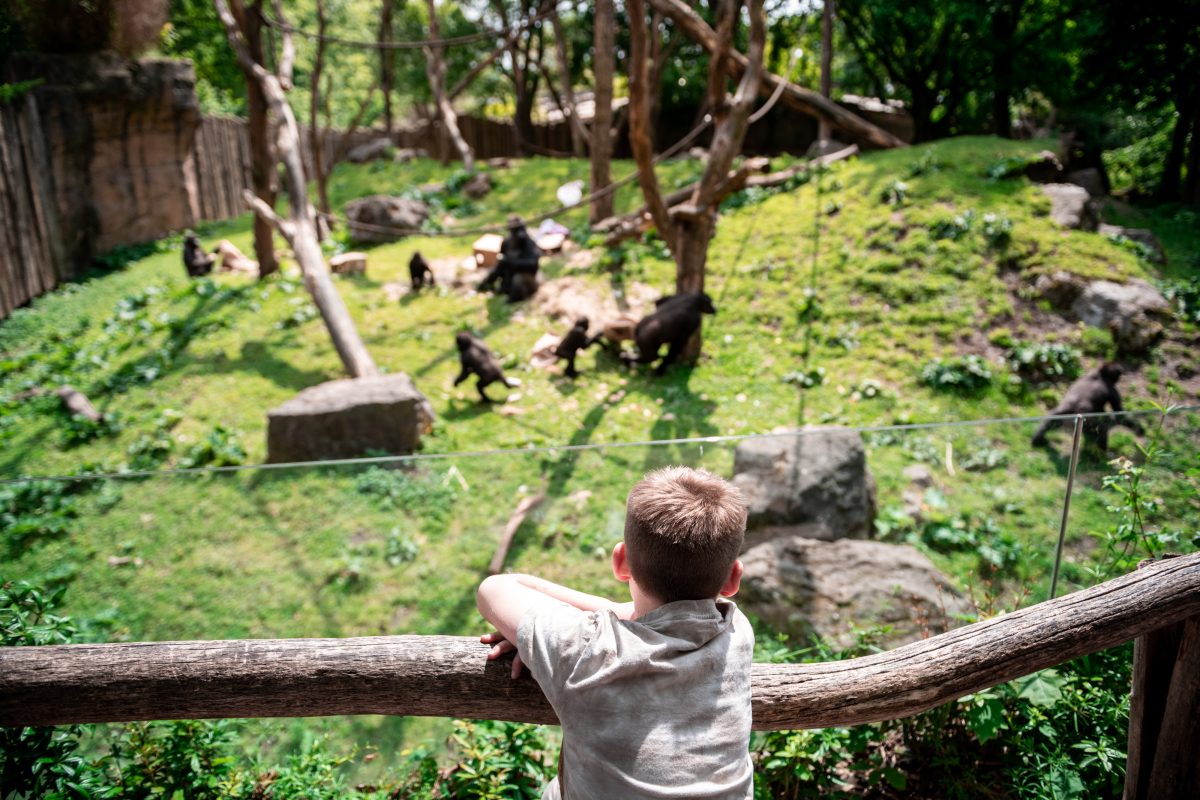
<point>684,529</point>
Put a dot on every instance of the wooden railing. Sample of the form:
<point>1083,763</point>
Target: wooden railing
<point>1158,605</point>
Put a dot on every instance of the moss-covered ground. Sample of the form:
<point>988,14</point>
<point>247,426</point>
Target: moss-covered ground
<point>921,255</point>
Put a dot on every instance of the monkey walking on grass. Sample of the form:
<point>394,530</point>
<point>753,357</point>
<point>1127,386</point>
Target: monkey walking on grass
<point>576,339</point>
<point>477,359</point>
<point>1089,395</point>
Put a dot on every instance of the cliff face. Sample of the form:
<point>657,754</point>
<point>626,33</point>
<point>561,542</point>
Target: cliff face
<point>119,138</point>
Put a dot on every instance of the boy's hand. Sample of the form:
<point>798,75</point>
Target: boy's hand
<point>502,647</point>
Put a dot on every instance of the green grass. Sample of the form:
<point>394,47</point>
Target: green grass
<point>302,552</point>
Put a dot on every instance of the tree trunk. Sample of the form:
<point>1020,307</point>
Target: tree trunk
<point>301,228</point>
<point>387,63</point>
<point>262,160</point>
<point>316,141</point>
<point>603,65</point>
<point>824,129</point>
<point>578,134</point>
<point>435,67</point>
<point>1169,187</point>
<point>1004,28</point>
<point>1191,184</point>
<point>640,137</point>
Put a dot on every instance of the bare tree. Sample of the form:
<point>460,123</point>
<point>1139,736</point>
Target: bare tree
<point>387,62</point>
<point>262,159</point>
<point>300,229</point>
<point>524,62</point>
<point>435,68</point>
<point>316,140</point>
<point>688,228</point>
<point>603,66</point>
<point>804,100</point>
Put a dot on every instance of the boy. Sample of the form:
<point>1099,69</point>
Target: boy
<point>653,695</point>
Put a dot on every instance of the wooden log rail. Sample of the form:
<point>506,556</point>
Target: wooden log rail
<point>449,676</point>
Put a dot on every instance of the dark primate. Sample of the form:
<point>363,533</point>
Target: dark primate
<point>420,273</point>
<point>1089,395</point>
<point>197,262</point>
<point>516,271</point>
<point>477,360</point>
<point>673,322</point>
<point>576,339</point>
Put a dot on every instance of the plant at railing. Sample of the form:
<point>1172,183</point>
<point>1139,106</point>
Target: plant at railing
<point>221,447</point>
<point>498,761</point>
<point>36,510</point>
<point>1133,536</point>
<point>186,759</point>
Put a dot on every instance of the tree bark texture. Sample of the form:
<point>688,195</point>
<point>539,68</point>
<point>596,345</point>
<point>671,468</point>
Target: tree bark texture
<point>262,159</point>
<point>603,66</point>
<point>451,676</point>
<point>300,229</point>
<point>387,63</point>
<point>804,100</point>
<point>640,136</point>
<point>435,67</point>
<point>824,130</point>
<point>316,140</point>
<point>578,134</point>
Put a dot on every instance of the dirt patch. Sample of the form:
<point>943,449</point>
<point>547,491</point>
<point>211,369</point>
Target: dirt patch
<point>566,299</point>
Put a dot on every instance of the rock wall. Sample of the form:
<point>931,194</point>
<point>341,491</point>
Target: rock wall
<point>119,138</point>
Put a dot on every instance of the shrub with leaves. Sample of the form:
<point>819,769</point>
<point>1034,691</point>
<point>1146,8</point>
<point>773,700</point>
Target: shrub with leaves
<point>967,375</point>
<point>423,494</point>
<point>997,230</point>
<point>35,509</point>
<point>953,228</point>
<point>806,378</point>
<point>1184,294</point>
<point>894,193</point>
<point>1044,362</point>
<point>220,447</point>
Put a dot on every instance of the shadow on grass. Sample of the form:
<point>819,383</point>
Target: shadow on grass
<point>257,358</point>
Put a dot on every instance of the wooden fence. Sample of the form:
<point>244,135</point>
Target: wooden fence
<point>1158,606</point>
<point>32,256</point>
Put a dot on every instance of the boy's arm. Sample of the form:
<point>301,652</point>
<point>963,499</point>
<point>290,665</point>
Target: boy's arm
<point>504,599</point>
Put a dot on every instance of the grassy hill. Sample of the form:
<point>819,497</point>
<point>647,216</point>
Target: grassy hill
<point>921,256</point>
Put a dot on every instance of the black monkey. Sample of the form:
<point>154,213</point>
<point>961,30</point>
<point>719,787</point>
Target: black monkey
<point>576,339</point>
<point>516,271</point>
<point>420,273</point>
<point>1089,395</point>
<point>673,322</point>
<point>197,262</point>
<point>477,360</point>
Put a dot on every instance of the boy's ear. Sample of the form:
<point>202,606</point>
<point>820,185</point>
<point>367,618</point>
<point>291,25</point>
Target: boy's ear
<point>734,581</point>
<point>620,563</point>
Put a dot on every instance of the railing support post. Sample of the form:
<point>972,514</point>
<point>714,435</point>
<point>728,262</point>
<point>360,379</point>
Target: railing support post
<point>1164,714</point>
<point>1062,525</point>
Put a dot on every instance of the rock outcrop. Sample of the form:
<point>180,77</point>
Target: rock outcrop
<point>1134,312</point>
<point>382,218</point>
<point>1153,248</point>
<point>375,150</point>
<point>812,483</point>
<point>807,588</point>
<point>348,418</point>
<point>1070,206</point>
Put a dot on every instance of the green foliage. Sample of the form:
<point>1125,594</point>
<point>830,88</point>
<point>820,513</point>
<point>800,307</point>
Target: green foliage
<point>997,230</point>
<point>1044,362</point>
<point>809,378</point>
<point>124,255</point>
<point>12,91</point>
<point>894,192</point>
<point>1011,166</point>
<point>1184,294</point>
<point>221,447</point>
<point>966,375</point>
<point>499,761</point>
<point>35,509</point>
<point>402,490</point>
<point>953,228</point>
<point>400,548</point>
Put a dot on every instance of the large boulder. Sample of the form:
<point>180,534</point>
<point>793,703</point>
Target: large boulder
<point>1070,206</point>
<point>1060,288</point>
<point>374,150</point>
<point>813,483</point>
<point>807,588</point>
<point>383,218</point>
<point>348,418</point>
<point>1133,312</point>
<point>1150,245</point>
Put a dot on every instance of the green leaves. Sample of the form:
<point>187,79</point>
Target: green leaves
<point>1042,689</point>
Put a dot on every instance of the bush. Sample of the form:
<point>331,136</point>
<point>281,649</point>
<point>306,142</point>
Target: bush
<point>966,375</point>
<point>1044,362</point>
<point>894,193</point>
<point>1184,294</point>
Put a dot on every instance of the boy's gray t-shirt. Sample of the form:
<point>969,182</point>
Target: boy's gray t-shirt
<point>657,707</point>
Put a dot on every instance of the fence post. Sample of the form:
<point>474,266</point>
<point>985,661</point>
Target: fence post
<point>1164,714</point>
<point>1062,525</point>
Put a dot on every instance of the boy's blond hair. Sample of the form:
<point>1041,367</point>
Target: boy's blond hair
<point>684,529</point>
